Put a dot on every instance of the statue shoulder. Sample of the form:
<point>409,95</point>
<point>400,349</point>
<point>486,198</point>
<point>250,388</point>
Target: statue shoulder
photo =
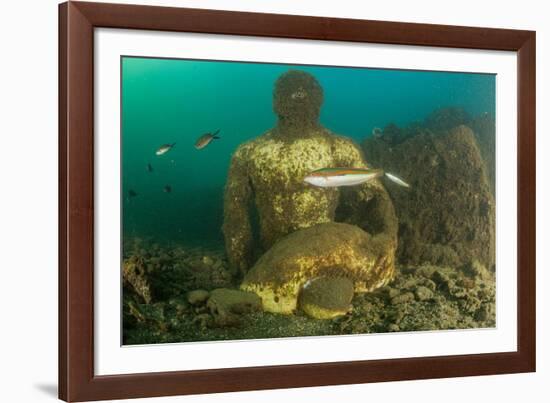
<point>244,150</point>
<point>348,151</point>
<point>345,142</point>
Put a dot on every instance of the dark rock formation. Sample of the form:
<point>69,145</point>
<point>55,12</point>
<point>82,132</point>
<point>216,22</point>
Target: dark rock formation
<point>447,217</point>
<point>484,129</point>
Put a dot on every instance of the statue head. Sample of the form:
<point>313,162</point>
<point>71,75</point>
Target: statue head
<point>297,98</point>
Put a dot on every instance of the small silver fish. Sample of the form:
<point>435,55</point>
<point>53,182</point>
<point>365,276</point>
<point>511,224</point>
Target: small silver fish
<point>163,149</point>
<point>206,139</point>
<point>397,180</point>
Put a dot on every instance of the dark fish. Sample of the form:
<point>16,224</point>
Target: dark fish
<point>163,149</point>
<point>132,193</point>
<point>149,168</point>
<point>167,189</point>
<point>205,139</point>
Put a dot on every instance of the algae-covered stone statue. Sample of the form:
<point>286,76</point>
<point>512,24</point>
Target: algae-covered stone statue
<point>295,220</point>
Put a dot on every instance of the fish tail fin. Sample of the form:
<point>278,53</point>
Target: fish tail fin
<point>397,180</point>
<point>215,135</point>
<point>173,144</point>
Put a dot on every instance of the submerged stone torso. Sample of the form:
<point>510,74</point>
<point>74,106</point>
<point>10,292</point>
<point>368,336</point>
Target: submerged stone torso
<point>276,169</point>
<point>266,176</point>
<point>299,240</point>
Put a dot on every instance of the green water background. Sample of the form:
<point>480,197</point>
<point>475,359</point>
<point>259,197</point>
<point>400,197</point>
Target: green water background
<point>175,101</point>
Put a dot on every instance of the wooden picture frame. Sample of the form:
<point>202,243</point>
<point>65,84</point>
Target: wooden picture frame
<point>77,21</point>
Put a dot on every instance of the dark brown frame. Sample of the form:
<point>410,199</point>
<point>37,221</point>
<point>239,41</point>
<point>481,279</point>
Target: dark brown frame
<point>77,21</point>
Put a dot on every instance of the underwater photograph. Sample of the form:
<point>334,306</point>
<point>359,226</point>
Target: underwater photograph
<point>265,200</point>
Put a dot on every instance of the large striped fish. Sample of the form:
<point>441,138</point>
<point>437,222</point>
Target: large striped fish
<point>336,177</point>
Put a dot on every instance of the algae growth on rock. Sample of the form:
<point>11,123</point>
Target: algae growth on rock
<point>243,248</point>
<point>448,216</point>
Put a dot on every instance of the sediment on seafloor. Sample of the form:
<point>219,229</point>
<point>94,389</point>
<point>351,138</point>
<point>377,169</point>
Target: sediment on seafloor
<point>422,297</point>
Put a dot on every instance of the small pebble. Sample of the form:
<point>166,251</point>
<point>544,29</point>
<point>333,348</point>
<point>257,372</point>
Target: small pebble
<point>392,292</point>
<point>409,283</point>
<point>423,293</point>
<point>477,270</point>
<point>402,298</point>
<point>197,297</point>
<point>203,320</point>
<point>458,292</point>
<point>440,278</point>
<point>393,327</point>
<point>482,314</point>
<point>430,284</point>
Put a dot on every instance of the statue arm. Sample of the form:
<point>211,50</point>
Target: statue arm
<point>368,205</point>
<point>237,228</point>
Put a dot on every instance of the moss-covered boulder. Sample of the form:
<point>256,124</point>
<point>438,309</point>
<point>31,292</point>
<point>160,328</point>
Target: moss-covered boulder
<point>324,250</point>
<point>483,127</point>
<point>447,217</point>
<point>197,297</point>
<point>226,305</point>
<point>326,297</point>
